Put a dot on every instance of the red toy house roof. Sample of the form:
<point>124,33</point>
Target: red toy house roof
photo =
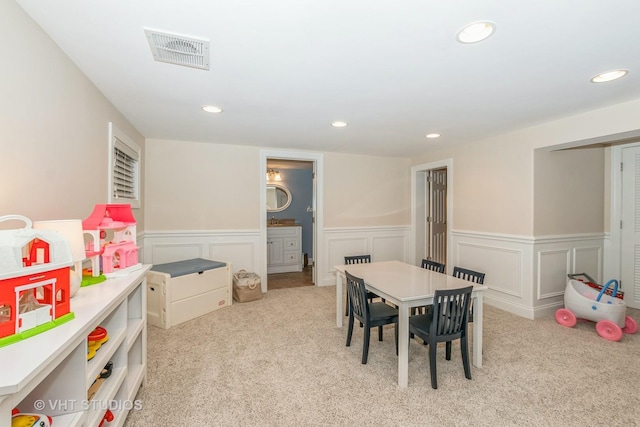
<point>109,216</point>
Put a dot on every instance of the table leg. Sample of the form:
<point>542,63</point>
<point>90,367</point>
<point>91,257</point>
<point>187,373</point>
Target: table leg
<point>477,330</point>
<point>403,345</point>
<point>339,306</point>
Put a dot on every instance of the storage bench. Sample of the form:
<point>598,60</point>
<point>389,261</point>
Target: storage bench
<point>183,290</point>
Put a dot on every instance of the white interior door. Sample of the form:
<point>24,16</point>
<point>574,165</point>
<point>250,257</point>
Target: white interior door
<point>630,226</point>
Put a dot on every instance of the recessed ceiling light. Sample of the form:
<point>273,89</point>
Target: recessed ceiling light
<point>433,135</point>
<point>476,31</point>
<point>339,124</point>
<point>608,76</point>
<point>212,109</point>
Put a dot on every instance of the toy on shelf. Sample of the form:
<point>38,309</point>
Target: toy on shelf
<point>30,420</point>
<point>113,248</point>
<point>95,340</point>
<point>582,301</point>
<point>97,383</point>
<point>34,281</point>
<point>108,417</point>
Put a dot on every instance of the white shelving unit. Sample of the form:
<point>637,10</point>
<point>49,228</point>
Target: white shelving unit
<point>52,368</point>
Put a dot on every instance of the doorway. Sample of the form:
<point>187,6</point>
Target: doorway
<point>431,184</point>
<point>290,223</point>
<point>313,162</point>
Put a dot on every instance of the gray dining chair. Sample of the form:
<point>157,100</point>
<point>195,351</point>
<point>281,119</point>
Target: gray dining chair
<point>370,314</point>
<point>471,276</point>
<point>358,259</point>
<point>447,321</point>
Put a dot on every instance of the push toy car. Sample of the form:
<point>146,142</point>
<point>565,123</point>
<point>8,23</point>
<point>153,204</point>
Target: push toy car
<point>584,302</point>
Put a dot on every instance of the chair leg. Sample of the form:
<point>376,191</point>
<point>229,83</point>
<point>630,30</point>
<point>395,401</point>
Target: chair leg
<point>346,306</point>
<point>350,330</point>
<point>464,346</point>
<point>365,345</point>
<point>395,329</point>
<point>432,364</point>
<point>379,333</point>
<point>448,350</point>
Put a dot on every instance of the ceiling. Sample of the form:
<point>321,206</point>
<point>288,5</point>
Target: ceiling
<point>283,70</point>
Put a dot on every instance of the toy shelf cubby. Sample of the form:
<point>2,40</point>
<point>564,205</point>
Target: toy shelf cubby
<point>52,367</point>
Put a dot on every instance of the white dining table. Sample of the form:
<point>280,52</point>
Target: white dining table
<point>407,286</point>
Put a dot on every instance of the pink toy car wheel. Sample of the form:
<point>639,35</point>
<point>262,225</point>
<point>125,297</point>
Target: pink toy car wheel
<point>566,317</point>
<point>630,325</point>
<point>609,330</point>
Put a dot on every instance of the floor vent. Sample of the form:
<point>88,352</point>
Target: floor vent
<point>178,49</point>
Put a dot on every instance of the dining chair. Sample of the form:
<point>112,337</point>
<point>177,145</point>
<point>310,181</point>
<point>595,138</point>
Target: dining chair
<point>358,259</point>
<point>370,314</point>
<point>433,266</point>
<point>447,321</point>
<point>471,276</point>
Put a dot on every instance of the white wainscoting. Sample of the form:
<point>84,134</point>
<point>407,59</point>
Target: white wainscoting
<point>383,243</point>
<point>242,248</point>
<point>527,275</point>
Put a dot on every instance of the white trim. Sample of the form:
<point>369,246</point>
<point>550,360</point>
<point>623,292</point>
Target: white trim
<point>613,265</point>
<point>317,203</point>
<point>527,275</point>
<point>448,164</point>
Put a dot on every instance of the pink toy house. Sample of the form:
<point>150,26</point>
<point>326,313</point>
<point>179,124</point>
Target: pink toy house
<point>117,251</point>
<point>34,281</point>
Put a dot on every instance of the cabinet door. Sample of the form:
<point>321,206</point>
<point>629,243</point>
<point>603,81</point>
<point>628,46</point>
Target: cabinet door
<point>276,250</point>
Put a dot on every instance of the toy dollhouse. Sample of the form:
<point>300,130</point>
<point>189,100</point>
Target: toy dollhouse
<point>34,281</point>
<point>112,248</point>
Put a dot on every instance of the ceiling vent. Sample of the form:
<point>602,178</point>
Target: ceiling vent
<point>178,49</point>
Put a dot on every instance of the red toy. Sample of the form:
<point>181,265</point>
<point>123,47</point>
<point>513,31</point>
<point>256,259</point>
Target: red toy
<point>108,417</point>
<point>34,281</point>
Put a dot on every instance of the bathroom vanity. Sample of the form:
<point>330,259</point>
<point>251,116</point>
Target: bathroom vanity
<point>284,248</point>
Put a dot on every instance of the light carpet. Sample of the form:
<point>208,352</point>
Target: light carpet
<point>281,361</point>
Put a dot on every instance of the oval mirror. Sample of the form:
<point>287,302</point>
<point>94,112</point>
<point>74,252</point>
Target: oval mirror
<point>278,197</point>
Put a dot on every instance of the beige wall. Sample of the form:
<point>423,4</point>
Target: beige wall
<point>568,191</point>
<point>361,191</point>
<point>201,186</point>
<point>494,178</point>
<point>54,121</point>
<point>206,186</point>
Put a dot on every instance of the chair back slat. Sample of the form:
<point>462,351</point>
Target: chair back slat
<point>432,265</point>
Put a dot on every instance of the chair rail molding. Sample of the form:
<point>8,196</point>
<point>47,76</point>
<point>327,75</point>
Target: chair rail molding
<point>527,275</point>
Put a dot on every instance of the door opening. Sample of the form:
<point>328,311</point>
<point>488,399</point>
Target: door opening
<point>431,211</point>
<point>309,212</point>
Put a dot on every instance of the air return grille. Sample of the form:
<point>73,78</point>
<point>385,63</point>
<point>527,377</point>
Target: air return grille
<point>178,49</point>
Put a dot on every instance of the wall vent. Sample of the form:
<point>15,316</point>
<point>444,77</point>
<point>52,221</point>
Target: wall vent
<point>178,49</point>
